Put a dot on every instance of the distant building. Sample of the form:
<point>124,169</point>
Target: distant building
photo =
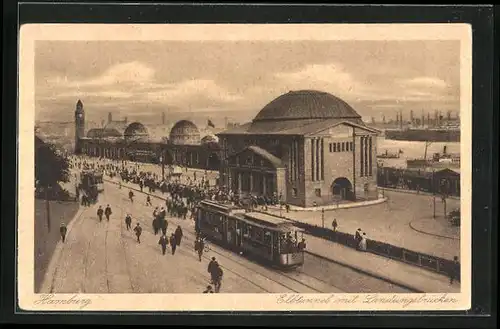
<point>122,141</point>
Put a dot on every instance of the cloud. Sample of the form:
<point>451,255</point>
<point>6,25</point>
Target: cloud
<point>329,77</point>
<point>188,91</point>
<point>425,82</point>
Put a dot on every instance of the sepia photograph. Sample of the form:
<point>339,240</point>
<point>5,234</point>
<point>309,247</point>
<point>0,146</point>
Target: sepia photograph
<point>271,167</point>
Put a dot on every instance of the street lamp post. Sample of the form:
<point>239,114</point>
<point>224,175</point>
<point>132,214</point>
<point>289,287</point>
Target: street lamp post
<point>323,217</point>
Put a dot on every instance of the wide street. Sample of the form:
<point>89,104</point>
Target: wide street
<point>103,257</point>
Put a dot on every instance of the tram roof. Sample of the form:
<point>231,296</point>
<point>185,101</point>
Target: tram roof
<point>269,220</point>
<point>227,207</point>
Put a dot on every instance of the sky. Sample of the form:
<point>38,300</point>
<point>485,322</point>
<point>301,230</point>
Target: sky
<point>235,79</point>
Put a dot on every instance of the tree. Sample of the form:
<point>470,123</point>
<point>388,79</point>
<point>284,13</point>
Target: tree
<point>50,169</point>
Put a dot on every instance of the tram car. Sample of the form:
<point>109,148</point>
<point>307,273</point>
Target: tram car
<point>259,236</point>
<point>91,183</point>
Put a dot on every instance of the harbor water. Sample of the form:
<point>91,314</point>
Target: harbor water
<point>412,150</point>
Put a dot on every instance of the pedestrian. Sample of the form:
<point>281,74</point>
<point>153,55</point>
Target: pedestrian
<point>148,201</point>
<point>302,245</point>
<point>138,231</point>
<point>120,185</point>
<point>164,226</point>
<point>108,212</point>
<point>362,242</point>
<point>131,196</point>
<point>199,245</point>
<point>63,230</point>
<point>178,235</point>
<point>216,276</point>
<point>211,266</point>
<point>335,225</point>
<point>454,271</point>
<point>163,243</point>
<point>357,238</point>
<point>128,221</point>
<point>208,290</point>
<point>173,243</point>
<point>100,212</point>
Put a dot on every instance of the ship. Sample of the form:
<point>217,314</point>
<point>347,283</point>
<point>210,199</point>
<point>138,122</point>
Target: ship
<point>438,161</point>
<point>388,155</point>
<point>421,135</point>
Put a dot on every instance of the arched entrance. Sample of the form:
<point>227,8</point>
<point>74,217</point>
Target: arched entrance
<point>213,162</point>
<point>342,189</point>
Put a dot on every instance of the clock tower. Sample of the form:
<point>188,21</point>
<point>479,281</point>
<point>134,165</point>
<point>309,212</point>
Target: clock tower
<point>79,125</point>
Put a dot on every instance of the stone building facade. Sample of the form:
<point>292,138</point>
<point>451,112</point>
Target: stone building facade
<point>306,147</point>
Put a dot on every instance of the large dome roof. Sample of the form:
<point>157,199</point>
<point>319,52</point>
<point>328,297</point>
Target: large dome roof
<point>306,104</point>
<point>136,131</point>
<point>185,132</point>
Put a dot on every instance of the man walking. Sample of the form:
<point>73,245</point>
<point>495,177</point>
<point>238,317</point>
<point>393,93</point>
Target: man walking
<point>100,212</point>
<point>163,243</point>
<point>63,230</point>
<point>128,221</point>
<point>335,225</point>
<point>138,232</point>
<point>108,212</point>
<point>173,244</point>
<point>178,235</point>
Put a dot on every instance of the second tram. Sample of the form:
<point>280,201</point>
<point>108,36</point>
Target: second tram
<point>266,237</point>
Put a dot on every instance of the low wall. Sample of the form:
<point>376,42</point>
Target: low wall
<point>432,263</point>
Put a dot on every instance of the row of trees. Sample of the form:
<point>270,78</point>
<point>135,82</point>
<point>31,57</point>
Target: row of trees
<point>51,168</point>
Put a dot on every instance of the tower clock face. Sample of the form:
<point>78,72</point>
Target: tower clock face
<point>79,115</point>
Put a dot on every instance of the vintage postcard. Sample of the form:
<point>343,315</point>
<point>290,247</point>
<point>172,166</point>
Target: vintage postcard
<point>231,167</point>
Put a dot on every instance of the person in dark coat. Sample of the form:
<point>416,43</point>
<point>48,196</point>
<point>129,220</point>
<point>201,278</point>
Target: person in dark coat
<point>173,244</point>
<point>63,230</point>
<point>131,196</point>
<point>128,221</point>
<point>100,212</point>
<point>138,232</point>
<point>335,225</point>
<point>211,265</point>
<point>178,235</point>
<point>108,212</point>
<point>163,243</point>
<point>454,271</point>
<point>148,201</point>
<point>199,246</point>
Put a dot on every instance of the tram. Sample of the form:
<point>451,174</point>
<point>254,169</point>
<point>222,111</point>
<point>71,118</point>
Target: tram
<point>264,237</point>
<point>91,183</point>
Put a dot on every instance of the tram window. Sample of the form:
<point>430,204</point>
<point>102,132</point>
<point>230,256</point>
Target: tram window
<point>267,237</point>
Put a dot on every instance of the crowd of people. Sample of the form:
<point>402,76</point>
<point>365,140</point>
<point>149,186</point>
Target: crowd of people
<point>181,192</point>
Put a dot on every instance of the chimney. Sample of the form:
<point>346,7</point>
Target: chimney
<point>110,117</point>
<point>163,118</point>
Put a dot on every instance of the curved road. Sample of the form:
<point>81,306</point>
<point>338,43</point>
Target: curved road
<point>103,257</point>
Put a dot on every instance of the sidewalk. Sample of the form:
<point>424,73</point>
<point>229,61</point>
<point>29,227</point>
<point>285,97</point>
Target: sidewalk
<point>388,222</point>
<point>400,190</point>
<point>396,272</point>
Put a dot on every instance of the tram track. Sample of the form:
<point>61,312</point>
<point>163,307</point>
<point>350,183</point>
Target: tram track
<point>145,228</point>
<point>277,277</point>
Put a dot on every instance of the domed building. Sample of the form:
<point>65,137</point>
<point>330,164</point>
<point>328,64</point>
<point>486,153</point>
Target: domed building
<point>185,132</point>
<point>137,132</point>
<point>305,147</point>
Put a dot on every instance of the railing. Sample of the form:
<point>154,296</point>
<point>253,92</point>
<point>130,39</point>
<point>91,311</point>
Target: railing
<point>432,263</point>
